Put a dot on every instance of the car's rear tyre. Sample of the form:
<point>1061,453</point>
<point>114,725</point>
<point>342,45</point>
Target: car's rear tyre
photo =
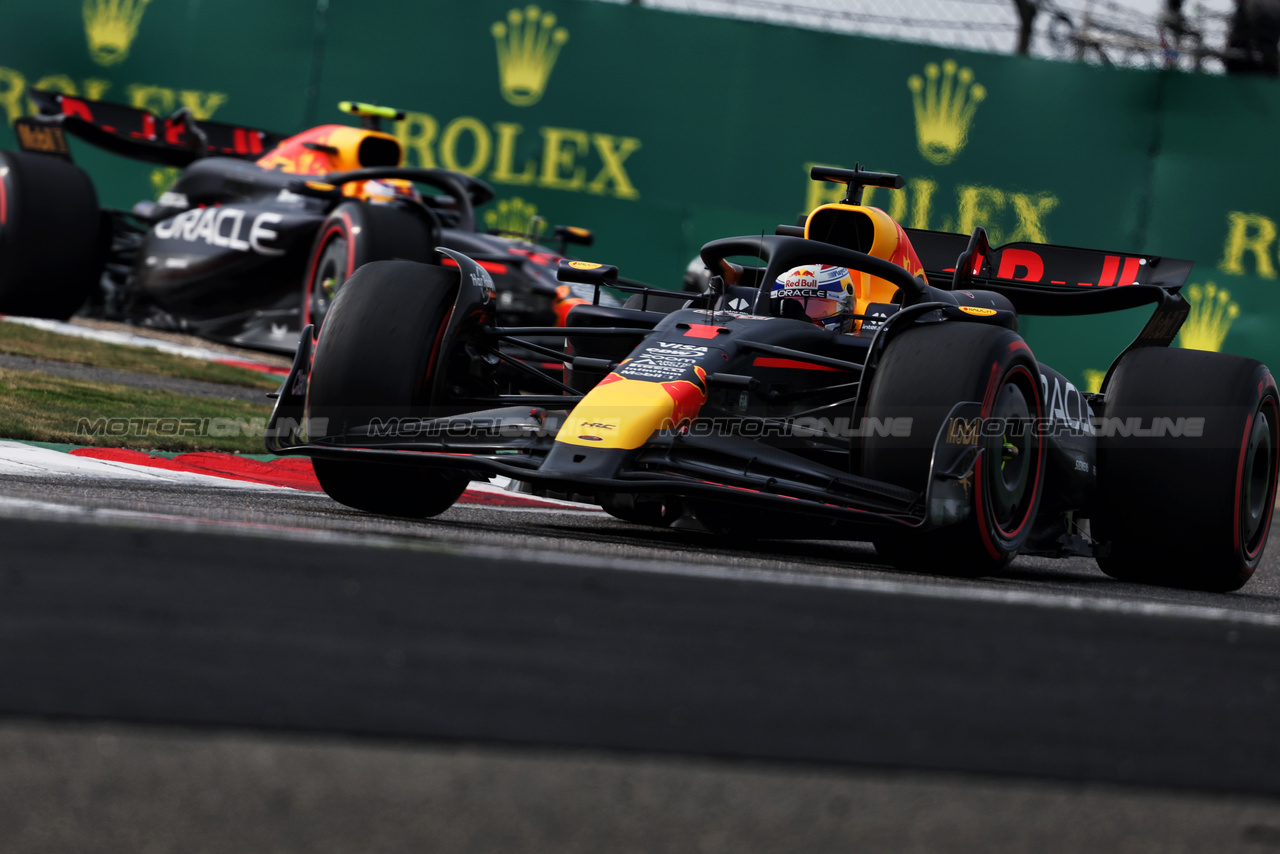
<point>1190,511</point>
<point>925,371</point>
<point>51,236</point>
<point>377,357</point>
<point>355,234</point>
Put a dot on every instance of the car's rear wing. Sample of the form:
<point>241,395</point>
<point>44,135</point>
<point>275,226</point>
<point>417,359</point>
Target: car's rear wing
<point>1045,279</point>
<point>1062,280</point>
<point>176,140</point>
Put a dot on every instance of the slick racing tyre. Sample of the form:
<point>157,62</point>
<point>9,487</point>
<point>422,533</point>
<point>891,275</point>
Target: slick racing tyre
<point>1185,498</point>
<point>51,234</point>
<point>925,371</point>
<point>376,357</point>
<point>355,234</point>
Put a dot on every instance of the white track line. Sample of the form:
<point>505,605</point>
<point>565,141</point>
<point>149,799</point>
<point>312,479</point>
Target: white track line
<point>590,512</point>
<point>26,508</point>
<point>958,592</point>
<point>17,458</point>
<point>497,486</point>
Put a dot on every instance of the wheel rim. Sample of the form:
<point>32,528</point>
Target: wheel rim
<point>1012,455</point>
<point>330,273</point>
<point>1258,487</point>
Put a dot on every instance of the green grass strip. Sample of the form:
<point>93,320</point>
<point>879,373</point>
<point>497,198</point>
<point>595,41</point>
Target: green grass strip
<point>28,341</point>
<point>41,407</point>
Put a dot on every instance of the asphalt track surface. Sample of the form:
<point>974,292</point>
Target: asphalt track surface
<point>801,693</point>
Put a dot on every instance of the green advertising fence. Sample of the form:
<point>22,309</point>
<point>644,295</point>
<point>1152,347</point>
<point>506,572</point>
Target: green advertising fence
<point>661,131</point>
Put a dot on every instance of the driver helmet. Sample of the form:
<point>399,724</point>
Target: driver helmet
<point>696,276</point>
<point>386,190</point>
<point>820,293</point>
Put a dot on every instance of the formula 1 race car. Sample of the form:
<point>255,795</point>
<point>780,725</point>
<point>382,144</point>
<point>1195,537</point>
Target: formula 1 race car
<point>923,424</point>
<point>258,233</point>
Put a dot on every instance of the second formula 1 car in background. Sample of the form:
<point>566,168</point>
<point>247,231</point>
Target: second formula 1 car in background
<point>258,233</point>
<point>858,380</point>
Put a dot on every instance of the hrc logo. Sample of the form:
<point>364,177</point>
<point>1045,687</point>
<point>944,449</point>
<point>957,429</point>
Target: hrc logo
<point>528,44</point>
<point>944,105</point>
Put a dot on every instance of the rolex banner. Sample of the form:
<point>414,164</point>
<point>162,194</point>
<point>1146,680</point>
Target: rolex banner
<point>661,131</point>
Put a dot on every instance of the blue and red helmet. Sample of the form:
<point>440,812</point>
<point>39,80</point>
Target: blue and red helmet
<point>820,293</point>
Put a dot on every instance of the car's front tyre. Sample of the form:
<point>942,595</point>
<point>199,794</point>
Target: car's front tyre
<point>377,358</point>
<point>924,372</point>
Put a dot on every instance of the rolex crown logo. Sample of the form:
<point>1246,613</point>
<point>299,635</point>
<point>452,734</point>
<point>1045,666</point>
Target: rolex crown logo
<point>945,103</point>
<point>111,26</point>
<point>528,43</point>
<point>163,178</point>
<point>1212,313</point>
<point>512,216</point>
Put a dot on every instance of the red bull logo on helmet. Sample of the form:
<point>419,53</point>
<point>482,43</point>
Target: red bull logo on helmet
<point>822,293</point>
<point>825,281</point>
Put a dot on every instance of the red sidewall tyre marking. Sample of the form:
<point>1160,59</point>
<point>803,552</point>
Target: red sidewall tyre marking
<point>1269,402</point>
<point>351,244</point>
<point>993,385</point>
<point>343,229</point>
<point>312,269</point>
<point>1244,451</point>
<point>979,490</point>
<point>980,502</point>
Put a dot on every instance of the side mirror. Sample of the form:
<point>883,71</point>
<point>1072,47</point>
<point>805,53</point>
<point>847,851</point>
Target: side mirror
<point>587,273</point>
<point>567,234</point>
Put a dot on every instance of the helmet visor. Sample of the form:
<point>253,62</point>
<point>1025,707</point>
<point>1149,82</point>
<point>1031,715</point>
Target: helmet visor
<point>821,293</point>
<point>814,308</point>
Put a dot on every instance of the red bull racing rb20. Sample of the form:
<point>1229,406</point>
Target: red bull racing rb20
<point>847,378</point>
